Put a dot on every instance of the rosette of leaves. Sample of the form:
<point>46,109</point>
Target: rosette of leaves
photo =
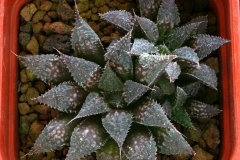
<point>126,96</point>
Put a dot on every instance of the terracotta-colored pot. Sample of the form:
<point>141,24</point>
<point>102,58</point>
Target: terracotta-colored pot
<point>229,27</point>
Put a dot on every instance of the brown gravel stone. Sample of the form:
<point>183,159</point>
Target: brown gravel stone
<point>43,109</point>
<point>28,11</point>
<point>35,130</point>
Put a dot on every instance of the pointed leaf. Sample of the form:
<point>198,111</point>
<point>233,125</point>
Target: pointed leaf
<point>86,42</point>
<point>149,28</point>
<point>173,70</point>
<point>202,110</point>
<point>141,46</point>
<point>56,134</point>
<point>178,36</point>
<point>85,73</point>
<point>180,116</point>
<point>180,98</point>
<point>167,107</point>
<point>166,86</point>
<point>171,142</point>
<point>151,114</point>
<point>132,91</point>
<point>163,49</point>
<point>148,9</point>
<point>119,59</point>
<point>192,88</point>
<point>110,151</point>
<point>119,18</point>
<point>140,145</point>
<point>86,138</point>
<point>156,93</point>
<point>168,16</point>
<point>187,55</point>
<point>202,28</point>
<point>117,124</point>
<point>150,67</point>
<point>205,44</point>
<point>94,104</point>
<point>48,68</point>
<point>204,74</point>
<point>109,81</point>
<point>66,97</point>
<point>115,99</point>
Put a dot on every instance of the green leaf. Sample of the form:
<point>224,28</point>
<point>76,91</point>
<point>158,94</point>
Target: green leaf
<point>205,44</point>
<point>141,46</point>
<point>192,88</point>
<point>140,145</point>
<point>94,104</point>
<point>132,91</point>
<point>66,97</point>
<point>167,107</point>
<point>187,55</point>
<point>168,16</point>
<point>149,28</point>
<point>115,99</point>
<point>109,81</point>
<point>119,18</point>
<point>56,134</point>
<point>171,142</point>
<point>150,67</point>
<point>202,110</point>
<point>48,68</point>
<point>204,74</point>
<point>110,151</point>
<point>163,49</point>
<point>180,116</point>
<point>156,93</point>
<point>85,73</point>
<point>86,42</point>
<point>148,9</point>
<point>117,124</point>
<point>86,138</point>
<point>166,86</point>
<point>118,57</point>
<point>202,28</point>
<point>180,98</point>
<point>178,36</point>
<point>150,113</point>
<point>173,70</point>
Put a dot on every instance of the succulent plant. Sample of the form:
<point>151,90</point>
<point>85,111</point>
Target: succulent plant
<point>125,96</point>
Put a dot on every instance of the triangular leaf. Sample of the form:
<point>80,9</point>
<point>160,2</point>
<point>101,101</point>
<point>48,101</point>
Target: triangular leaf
<point>166,86</point>
<point>204,74</point>
<point>150,67</point>
<point>132,91</point>
<point>86,42</point>
<point>94,104</point>
<point>86,138</point>
<point>115,99</point>
<point>187,56</point>
<point>141,46</point>
<point>85,73</point>
<point>110,151</point>
<point>119,18</point>
<point>156,93</point>
<point>173,70</point>
<point>202,28</point>
<point>163,49</point>
<point>56,134</point>
<point>118,57</point>
<point>148,9</point>
<point>117,124</point>
<point>192,88</point>
<point>202,110</point>
<point>66,97</point>
<point>178,36</point>
<point>151,114</point>
<point>109,81</point>
<point>171,142</point>
<point>167,107</point>
<point>205,44</point>
<point>48,68</point>
<point>180,116</point>
<point>180,98</point>
<point>149,28</point>
<point>140,145</point>
<point>168,16</point>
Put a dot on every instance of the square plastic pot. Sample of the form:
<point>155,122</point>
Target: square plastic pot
<point>229,27</point>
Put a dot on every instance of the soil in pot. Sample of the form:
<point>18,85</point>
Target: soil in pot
<point>46,24</point>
